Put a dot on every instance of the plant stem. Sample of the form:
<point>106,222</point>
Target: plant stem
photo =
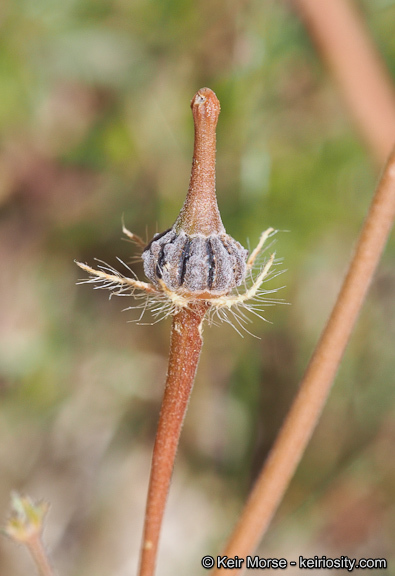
<point>185,346</point>
<point>345,44</point>
<point>305,412</point>
<point>38,553</point>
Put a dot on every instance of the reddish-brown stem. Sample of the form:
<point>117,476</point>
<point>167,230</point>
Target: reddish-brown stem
<point>185,345</point>
<point>305,412</point>
<point>345,44</point>
<point>200,214</point>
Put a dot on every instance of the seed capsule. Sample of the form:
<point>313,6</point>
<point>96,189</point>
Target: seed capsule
<point>197,263</point>
<point>196,255</point>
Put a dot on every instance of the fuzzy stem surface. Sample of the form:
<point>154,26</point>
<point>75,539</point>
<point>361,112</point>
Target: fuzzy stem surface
<point>185,346</point>
<point>315,387</point>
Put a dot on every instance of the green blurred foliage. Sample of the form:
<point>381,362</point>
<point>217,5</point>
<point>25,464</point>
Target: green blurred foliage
<point>95,125</point>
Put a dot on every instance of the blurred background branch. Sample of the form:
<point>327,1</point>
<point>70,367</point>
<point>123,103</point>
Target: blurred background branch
<point>342,38</point>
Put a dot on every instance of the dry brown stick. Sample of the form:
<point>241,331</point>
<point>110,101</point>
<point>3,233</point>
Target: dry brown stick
<point>346,46</point>
<point>185,345</point>
<point>305,412</point>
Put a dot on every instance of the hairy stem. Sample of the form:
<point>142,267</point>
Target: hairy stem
<point>346,46</point>
<point>185,346</point>
<point>305,412</point>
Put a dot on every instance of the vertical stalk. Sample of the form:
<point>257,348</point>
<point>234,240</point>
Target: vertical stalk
<point>185,346</point>
<point>199,216</point>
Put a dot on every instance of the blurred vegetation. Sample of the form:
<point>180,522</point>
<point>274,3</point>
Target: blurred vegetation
<point>95,124</point>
